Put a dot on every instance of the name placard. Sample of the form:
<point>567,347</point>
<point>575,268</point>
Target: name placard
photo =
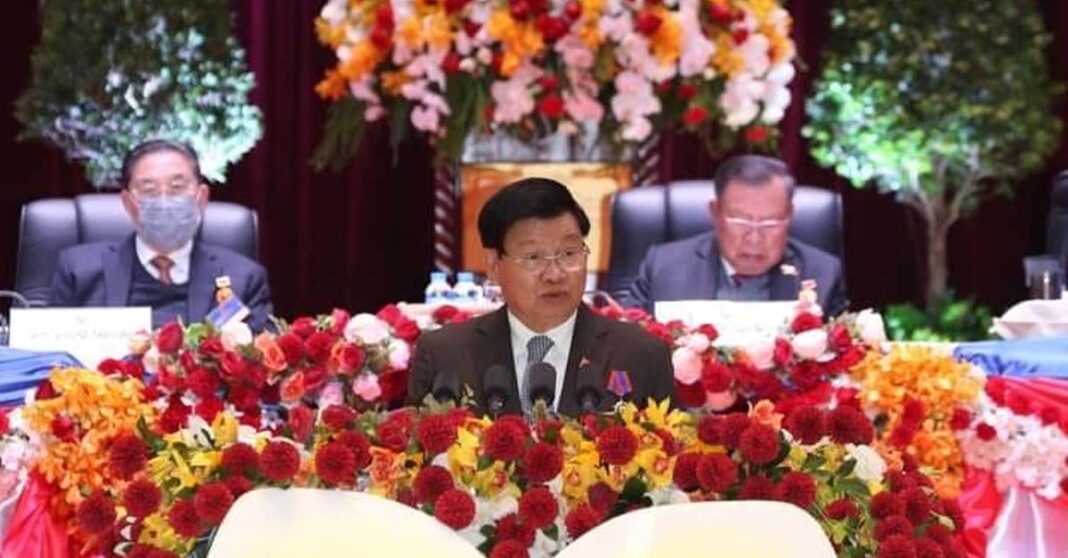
<point>737,322</point>
<point>88,334</point>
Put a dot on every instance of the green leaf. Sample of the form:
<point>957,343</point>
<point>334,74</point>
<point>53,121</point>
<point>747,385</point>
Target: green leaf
<point>341,136</point>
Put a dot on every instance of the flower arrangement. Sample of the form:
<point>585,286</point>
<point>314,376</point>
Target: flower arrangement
<point>916,394</point>
<point>1022,442</point>
<point>529,68</point>
<point>111,74</point>
<point>509,486</point>
<point>15,454</point>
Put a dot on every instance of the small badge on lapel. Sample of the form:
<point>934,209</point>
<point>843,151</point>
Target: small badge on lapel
<point>584,362</point>
<point>228,307</point>
<point>619,383</point>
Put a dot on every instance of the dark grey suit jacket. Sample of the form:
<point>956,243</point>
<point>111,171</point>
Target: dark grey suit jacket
<point>468,349</point>
<point>689,269</point>
<point>100,273</point>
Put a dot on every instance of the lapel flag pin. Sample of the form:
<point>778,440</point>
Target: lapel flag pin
<point>619,383</point>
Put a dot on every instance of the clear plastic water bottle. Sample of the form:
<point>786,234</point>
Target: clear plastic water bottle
<point>466,291</point>
<point>438,291</point>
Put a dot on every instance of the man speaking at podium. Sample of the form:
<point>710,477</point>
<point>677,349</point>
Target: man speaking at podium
<point>533,232</point>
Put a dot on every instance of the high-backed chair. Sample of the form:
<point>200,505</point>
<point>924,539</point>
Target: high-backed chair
<point>1057,228</point>
<point>743,529</point>
<point>50,225</point>
<point>642,217</point>
<point>277,523</point>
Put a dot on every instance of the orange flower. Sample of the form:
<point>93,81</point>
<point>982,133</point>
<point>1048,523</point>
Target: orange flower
<point>292,388</point>
<point>764,413</point>
<point>332,86</point>
<point>273,356</point>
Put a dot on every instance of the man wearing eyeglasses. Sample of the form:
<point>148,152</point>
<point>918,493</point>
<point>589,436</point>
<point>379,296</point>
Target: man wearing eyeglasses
<point>749,255</point>
<point>534,232</point>
<point>162,265</point>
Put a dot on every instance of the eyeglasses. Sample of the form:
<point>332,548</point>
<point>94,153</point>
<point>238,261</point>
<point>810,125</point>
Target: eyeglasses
<point>569,259</point>
<point>149,188</point>
<point>761,226</point>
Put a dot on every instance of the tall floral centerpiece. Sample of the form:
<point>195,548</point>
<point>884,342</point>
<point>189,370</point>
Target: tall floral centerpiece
<point>532,68</point>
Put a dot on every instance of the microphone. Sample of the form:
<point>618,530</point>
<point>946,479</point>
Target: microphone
<point>542,383</point>
<point>445,388</point>
<point>589,389</point>
<point>496,383</point>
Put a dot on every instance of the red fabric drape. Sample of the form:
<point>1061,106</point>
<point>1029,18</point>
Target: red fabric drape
<point>363,238</point>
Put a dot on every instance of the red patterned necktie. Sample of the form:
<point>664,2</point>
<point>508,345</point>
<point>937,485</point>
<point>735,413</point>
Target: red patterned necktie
<point>164,265</point>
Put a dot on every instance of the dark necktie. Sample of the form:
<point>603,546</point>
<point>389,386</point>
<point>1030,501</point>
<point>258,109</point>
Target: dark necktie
<point>164,265</point>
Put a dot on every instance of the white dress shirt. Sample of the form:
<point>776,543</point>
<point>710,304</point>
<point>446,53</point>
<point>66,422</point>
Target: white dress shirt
<point>557,355</point>
<point>180,257</point>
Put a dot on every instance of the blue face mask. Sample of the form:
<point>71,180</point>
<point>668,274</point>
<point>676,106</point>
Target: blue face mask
<point>168,222</point>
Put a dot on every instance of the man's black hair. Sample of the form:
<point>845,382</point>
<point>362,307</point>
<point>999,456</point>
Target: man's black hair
<point>528,198</point>
<point>155,146</point>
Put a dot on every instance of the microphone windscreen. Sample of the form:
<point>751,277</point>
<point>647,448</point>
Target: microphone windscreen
<point>542,382</point>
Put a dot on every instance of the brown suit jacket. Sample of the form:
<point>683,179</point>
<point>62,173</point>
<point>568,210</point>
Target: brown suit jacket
<point>468,349</point>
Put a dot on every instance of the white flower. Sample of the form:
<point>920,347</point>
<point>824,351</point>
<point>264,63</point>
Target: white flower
<point>334,11</point>
<point>687,365</point>
<point>235,334</point>
<point>697,342</point>
<point>810,344</point>
<point>870,465</point>
<point>870,326</point>
<point>399,354</point>
<point>739,100</point>
<point>761,351</point>
<point>366,328</point>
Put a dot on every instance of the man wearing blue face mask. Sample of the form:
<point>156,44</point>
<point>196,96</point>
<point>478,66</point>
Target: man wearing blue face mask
<point>161,265</point>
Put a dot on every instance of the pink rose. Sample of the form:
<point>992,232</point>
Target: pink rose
<point>697,342</point>
<point>331,395</point>
<point>366,387</point>
<point>810,344</point>
<point>687,365</point>
<point>720,401</point>
<point>761,352</point>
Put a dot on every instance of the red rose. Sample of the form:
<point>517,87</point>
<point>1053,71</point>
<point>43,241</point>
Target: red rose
<point>716,377</point>
<point>538,507</point>
<point>985,432</point>
<point>432,481</point>
<point>551,106</point>
<point>798,489</point>
<point>716,472</point>
<point>240,459</point>
<point>202,382</point>
<point>111,367</point>
<point>390,313</point>
<point>407,329</point>
<point>183,517</point>
<point>886,504</point>
<point>504,440</point>
<point>783,352</point>
<point>174,416</point>
<point>350,358</point>
<point>142,498</point>
<point>45,391</point>
<point>805,321</point>
<point>509,548</point>
<point>455,508</point>
<point>436,433</point>
<point>234,367</point>
<point>617,445</point>
<point>127,455</point>
<point>509,528</point>
<point>807,424</point>
<point>759,444</point>
<point>695,115</point>
<point>686,91</point>
<point>338,319</point>
<point>542,462</point>
<point>581,519</point>
<point>444,313</point>
<point>691,396</point>
<point>96,514</point>
<point>335,464</point>
<point>395,432</point>
<point>169,338</point>
<point>279,461</point>
<point>338,417</point>
<point>551,28</point>
<point>807,375</point>
<point>647,23</point>
<point>394,385</point>
<point>720,13</point>
<point>252,417</point>
<point>848,425</point>
<point>360,446</point>
<point>758,487</point>
<point>303,327</point>
<point>841,509</point>
<point>685,473</point>
<point>301,423</point>
<point>318,346</point>
<point>292,347</point>
<point>756,134</point>
<point>212,501</point>
<point>573,9</point>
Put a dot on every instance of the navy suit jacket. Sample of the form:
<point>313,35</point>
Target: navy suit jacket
<point>688,269</point>
<point>100,273</point>
<point>467,349</point>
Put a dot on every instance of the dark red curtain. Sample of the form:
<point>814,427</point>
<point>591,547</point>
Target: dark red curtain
<point>363,238</point>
